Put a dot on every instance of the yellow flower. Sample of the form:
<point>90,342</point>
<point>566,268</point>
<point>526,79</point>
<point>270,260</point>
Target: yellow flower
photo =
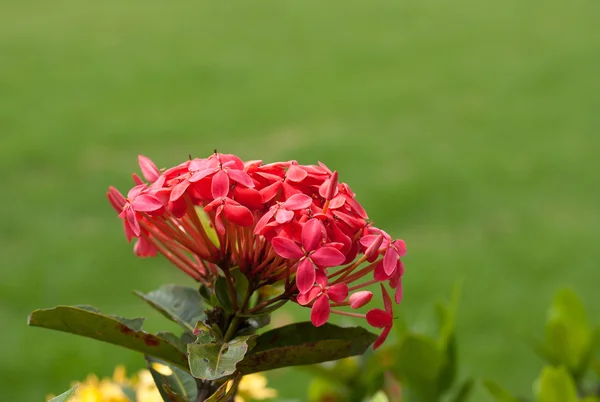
<point>254,387</point>
<point>105,390</point>
<point>145,388</point>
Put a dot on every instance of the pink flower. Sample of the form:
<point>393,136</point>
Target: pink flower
<point>312,255</point>
<point>321,294</point>
<point>283,223</point>
<point>382,319</point>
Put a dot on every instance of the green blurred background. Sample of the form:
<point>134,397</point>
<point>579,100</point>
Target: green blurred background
<point>469,128</point>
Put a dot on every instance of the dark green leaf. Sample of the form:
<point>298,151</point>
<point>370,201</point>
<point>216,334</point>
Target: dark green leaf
<point>463,393</point>
<point>222,293</point>
<point>107,329</point>
<point>65,395</point>
<point>219,395</point>
<point>181,304</point>
<point>555,384</point>
<point>241,284</point>
<point>178,382</point>
<point>499,393</point>
<point>222,394</point>
<point>211,361</point>
<point>303,343</point>
<point>266,310</point>
<point>173,340</point>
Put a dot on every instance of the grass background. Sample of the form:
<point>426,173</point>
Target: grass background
<point>471,129</point>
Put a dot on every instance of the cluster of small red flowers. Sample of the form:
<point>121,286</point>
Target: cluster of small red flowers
<point>279,223</point>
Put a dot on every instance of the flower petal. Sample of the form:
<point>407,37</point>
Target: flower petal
<point>148,168</point>
<point>201,174</point>
<point>305,298</point>
<point>389,260</point>
<point>378,318</point>
<point>286,248</point>
<point>220,184</point>
<point>327,257</point>
<point>382,337</point>
<point>296,174</point>
<point>373,249</point>
<point>361,298</point>
<point>297,201</point>
<point>132,221</point>
<point>398,295</point>
<point>146,203</point>
<point>283,216</point>
<point>238,214</point>
<point>338,293</point>
<point>241,177</point>
<point>320,311</point>
<point>400,246</point>
<point>387,302</point>
<point>305,275</point>
<point>179,190</point>
<point>379,274</point>
<point>313,233</point>
<point>262,222</point>
<point>270,192</point>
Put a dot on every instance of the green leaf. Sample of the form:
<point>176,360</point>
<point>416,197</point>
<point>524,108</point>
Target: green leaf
<point>107,329</point>
<point>418,363</point>
<point>221,393</point>
<point>567,332</point>
<point>211,361</point>
<point>266,310</point>
<point>499,393</point>
<point>222,293</point>
<point>179,382</point>
<point>464,391</point>
<point>241,284</point>
<point>555,384</point>
<point>204,333</point>
<point>181,304</point>
<point>303,343</point>
<point>173,340</point>
<point>65,395</point>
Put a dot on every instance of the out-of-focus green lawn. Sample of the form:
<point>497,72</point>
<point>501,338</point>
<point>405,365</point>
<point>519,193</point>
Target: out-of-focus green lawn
<point>471,129</point>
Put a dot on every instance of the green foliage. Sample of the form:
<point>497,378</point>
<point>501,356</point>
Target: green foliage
<point>181,304</point>
<point>555,384</point>
<point>498,393</point>
<point>568,338</point>
<point>302,343</point>
<point>93,324</point>
<point>178,384</point>
<point>423,367</point>
<point>569,346</point>
<point>215,360</point>
<point>65,395</point>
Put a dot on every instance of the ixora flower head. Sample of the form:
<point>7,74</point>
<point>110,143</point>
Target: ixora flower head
<point>283,225</point>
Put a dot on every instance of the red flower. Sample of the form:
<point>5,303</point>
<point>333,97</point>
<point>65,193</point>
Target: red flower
<point>382,319</point>
<point>312,255</point>
<point>321,294</point>
<point>279,223</point>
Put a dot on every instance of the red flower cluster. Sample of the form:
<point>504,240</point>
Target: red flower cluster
<point>279,223</point>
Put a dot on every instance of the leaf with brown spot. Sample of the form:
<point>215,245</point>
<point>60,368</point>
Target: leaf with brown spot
<point>93,324</point>
<point>303,343</point>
